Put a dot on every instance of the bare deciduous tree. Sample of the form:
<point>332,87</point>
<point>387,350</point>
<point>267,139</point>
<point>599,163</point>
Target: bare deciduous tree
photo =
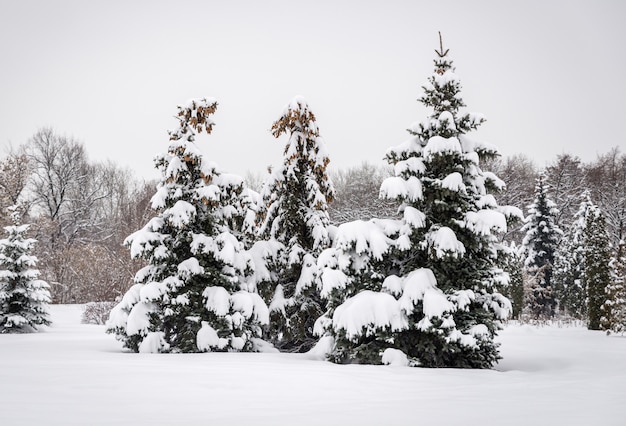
<point>14,175</point>
<point>566,177</point>
<point>519,172</point>
<point>356,194</point>
<point>606,178</point>
<point>84,211</point>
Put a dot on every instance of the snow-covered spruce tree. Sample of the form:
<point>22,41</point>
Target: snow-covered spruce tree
<point>569,265</point>
<point>24,299</point>
<point>596,275</point>
<point>540,245</point>
<point>614,308</point>
<point>435,297</point>
<point>358,279</point>
<point>294,224</point>
<point>195,294</point>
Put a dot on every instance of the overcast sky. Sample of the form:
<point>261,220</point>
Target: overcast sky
<point>550,76</point>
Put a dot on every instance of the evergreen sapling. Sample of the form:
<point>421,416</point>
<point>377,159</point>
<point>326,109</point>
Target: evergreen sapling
<point>24,299</point>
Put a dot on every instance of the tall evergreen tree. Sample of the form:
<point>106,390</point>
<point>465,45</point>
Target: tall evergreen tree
<point>295,215</point>
<point>196,293</point>
<point>569,264</point>
<point>24,299</point>
<point>439,262</point>
<point>540,244</point>
<point>614,308</point>
<point>596,276</point>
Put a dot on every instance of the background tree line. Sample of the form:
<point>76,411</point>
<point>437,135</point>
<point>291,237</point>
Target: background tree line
<point>81,211</point>
<point>567,178</point>
<point>570,261</point>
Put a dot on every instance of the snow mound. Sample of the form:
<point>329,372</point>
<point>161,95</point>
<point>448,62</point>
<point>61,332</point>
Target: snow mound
<point>368,312</point>
<point>395,357</point>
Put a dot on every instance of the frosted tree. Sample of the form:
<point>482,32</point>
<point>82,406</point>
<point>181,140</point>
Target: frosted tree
<point>596,275</point>
<point>24,299</point>
<point>540,244</point>
<point>569,264</point>
<point>425,290</point>
<point>294,223</point>
<point>614,308</point>
<point>196,292</point>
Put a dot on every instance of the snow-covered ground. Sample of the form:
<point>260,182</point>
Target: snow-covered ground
<point>74,374</point>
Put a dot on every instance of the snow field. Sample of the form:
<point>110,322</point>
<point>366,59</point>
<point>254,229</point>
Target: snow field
<point>75,374</point>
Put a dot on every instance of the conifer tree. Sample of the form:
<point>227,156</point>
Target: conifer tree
<point>295,222</point>
<point>24,299</point>
<point>540,245</point>
<point>596,275</point>
<point>439,262</point>
<point>358,279</point>
<point>196,293</point>
<point>569,264</point>
<point>614,308</point>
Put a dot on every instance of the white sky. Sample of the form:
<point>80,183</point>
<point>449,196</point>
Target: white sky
<point>550,76</point>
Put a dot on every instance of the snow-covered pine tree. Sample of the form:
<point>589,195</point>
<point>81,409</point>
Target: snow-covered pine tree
<point>435,297</point>
<point>569,265</point>
<point>540,244</point>
<point>295,215</point>
<point>596,275</point>
<point>24,299</point>
<point>614,309</point>
<point>196,293</point>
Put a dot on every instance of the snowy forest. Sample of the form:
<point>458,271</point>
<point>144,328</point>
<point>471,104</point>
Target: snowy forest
<point>416,261</point>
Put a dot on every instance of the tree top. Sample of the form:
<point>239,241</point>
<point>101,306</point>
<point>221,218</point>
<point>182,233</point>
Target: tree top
<point>441,53</point>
